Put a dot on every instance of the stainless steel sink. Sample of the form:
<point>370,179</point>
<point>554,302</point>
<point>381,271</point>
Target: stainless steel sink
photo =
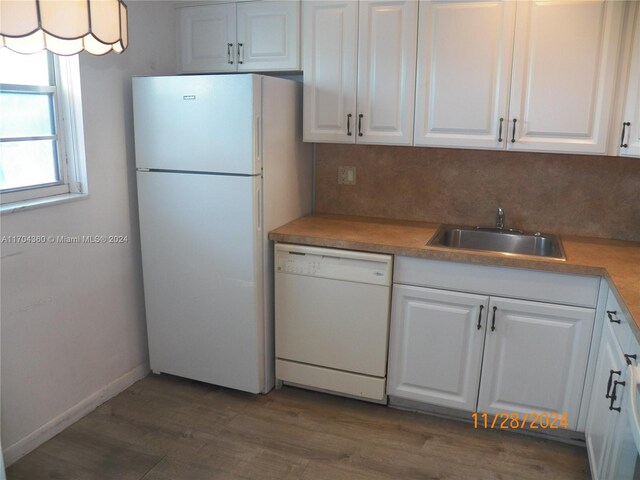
<point>498,240</point>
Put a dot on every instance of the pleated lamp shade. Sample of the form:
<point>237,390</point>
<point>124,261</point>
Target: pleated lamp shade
<point>64,27</point>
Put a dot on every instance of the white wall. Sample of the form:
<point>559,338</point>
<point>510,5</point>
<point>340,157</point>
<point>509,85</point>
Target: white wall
<point>72,316</point>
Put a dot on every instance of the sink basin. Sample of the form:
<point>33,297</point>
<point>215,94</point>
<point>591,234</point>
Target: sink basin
<point>504,241</point>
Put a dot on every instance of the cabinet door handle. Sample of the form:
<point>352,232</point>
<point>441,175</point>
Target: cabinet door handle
<point>624,127</point>
<point>480,317</point>
<point>610,314</point>
<point>610,382</point>
<point>240,53</point>
<point>360,124</point>
<point>628,358</point>
<point>493,319</point>
<point>513,134</point>
<point>500,130</point>
<point>229,47</point>
<point>614,396</point>
<point>349,124</point>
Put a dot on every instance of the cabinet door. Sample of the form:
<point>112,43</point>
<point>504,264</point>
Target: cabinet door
<point>387,31</point>
<point>268,36</point>
<point>435,349</point>
<point>564,68</point>
<point>630,141</point>
<point>464,70</point>
<point>622,452</point>
<point>535,358</point>
<point>601,420</point>
<point>329,64</point>
<point>207,38</point>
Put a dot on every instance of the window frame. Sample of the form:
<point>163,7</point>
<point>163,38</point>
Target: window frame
<point>68,133</point>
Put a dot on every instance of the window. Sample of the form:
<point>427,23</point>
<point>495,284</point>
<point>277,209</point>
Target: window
<point>41,141</point>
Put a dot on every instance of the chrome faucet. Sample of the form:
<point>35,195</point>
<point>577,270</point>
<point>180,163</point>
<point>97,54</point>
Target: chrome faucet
<point>500,218</point>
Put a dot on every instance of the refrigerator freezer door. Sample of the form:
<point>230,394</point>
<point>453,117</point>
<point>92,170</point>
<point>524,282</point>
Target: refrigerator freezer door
<point>202,258</point>
<point>201,123</point>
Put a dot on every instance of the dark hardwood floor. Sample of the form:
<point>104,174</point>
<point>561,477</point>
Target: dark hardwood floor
<point>167,428</point>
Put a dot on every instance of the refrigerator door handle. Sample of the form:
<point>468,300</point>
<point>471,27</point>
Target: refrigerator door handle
<point>257,146</point>
<point>259,205</point>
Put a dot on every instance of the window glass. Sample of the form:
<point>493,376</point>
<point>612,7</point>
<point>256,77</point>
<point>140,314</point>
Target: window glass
<point>29,144</point>
<point>24,164</point>
<point>24,69</point>
<point>26,114</point>
<point>41,134</point>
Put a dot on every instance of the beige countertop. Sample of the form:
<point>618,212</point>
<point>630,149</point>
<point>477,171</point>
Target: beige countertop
<point>618,261</point>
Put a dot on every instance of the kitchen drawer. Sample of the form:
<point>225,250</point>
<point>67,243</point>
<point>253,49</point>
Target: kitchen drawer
<point>578,290</point>
<point>618,323</point>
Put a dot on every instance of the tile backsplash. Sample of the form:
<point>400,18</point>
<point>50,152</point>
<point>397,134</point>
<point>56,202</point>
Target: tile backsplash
<point>597,196</point>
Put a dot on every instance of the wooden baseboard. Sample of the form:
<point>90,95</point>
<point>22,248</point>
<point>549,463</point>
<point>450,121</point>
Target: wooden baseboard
<point>14,452</point>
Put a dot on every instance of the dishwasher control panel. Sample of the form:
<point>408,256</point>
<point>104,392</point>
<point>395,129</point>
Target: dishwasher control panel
<point>347,265</point>
<point>300,263</point>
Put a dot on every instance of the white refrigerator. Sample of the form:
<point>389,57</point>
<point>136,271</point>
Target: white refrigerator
<point>220,162</point>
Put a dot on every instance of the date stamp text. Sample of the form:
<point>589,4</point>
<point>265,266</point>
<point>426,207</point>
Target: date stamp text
<point>511,421</point>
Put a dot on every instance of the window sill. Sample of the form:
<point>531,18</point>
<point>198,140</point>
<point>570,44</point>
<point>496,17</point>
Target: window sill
<point>40,202</point>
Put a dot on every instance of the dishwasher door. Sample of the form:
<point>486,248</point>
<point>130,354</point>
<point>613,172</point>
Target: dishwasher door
<point>332,314</point>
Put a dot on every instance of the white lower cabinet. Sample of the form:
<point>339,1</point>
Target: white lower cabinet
<point>601,420</point>
<point>436,347</point>
<point>612,451</point>
<point>535,357</point>
<point>486,353</point>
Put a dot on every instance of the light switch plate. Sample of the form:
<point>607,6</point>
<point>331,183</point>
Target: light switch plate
<point>346,175</point>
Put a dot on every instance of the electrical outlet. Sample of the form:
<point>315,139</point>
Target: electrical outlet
<point>346,175</point>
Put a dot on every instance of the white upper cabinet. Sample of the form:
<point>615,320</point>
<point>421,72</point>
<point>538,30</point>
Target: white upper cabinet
<point>528,75</point>
<point>245,37</point>
<point>329,64</point>
<point>629,128</point>
<point>372,103</point>
<point>207,38</point>
<point>386,71</point>
<point>564,70</point>
<point>268,35</point>
<point>464,69</point>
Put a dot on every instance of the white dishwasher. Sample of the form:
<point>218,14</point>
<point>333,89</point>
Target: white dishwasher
<point>332,319</point>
